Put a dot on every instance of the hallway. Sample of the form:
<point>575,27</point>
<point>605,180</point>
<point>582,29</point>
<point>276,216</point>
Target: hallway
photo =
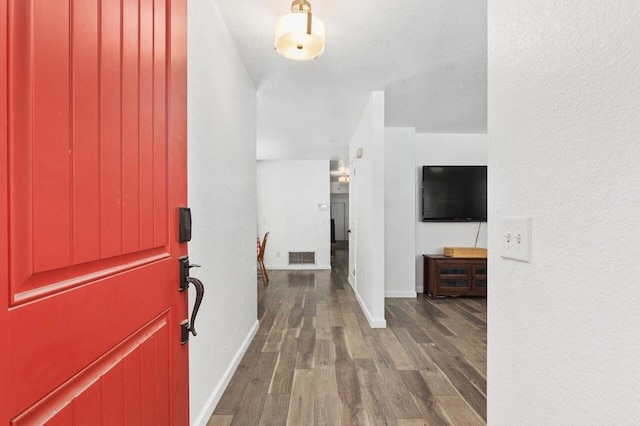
<point>315,360</point>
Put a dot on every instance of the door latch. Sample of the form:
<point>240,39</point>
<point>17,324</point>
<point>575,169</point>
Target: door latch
<point>184,272</point>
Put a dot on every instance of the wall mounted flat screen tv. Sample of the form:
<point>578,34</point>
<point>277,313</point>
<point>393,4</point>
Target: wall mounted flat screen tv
<point>454,193</point>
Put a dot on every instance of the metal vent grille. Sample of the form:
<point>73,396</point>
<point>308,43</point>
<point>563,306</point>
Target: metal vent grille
<point>302,258</point>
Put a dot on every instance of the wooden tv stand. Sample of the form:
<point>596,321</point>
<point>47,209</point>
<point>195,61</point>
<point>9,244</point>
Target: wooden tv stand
<point>454,276</point>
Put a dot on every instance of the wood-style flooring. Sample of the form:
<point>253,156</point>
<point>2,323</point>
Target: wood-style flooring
<point>315,360</point>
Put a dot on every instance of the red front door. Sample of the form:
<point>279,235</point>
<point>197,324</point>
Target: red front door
<point>93,169</point>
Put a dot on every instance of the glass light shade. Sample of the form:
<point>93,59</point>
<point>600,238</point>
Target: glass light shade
<point>292,40</point>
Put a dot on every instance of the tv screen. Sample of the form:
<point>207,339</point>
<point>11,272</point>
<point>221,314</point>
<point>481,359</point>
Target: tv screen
<point>454,193</point>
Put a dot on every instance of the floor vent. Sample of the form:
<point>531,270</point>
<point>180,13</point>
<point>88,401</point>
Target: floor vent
<point>302,258</point>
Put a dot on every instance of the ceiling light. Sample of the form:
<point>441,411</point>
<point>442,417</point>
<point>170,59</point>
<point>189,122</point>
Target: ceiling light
<point>300,35</point>
<point>343,179</point>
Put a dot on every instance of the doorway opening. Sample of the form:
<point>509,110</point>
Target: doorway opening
<point>339,182</point>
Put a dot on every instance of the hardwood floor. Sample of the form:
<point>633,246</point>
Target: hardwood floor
<point>315,360</point>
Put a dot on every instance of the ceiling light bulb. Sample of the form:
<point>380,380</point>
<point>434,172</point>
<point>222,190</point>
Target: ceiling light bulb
<point>300,35</point>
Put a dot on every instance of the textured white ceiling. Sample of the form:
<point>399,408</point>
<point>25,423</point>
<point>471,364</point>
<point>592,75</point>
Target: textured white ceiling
<point>429,56</point>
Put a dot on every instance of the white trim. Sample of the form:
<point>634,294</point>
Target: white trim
<point>400,294</point>
<point>350,280</point>
<point>213,400</point>
<point>374,323</point>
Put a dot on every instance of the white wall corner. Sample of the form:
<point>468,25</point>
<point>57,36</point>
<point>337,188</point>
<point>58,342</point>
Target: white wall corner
<point>367,191</point>
<point>214,398</point>
<point>399,206</point>
<point>373,322</point>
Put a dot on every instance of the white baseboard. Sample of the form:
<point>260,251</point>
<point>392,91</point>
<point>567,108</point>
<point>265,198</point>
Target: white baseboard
<point>350,279</point>
<point>213,400</point>
<point>373,323</point>
<point>400,294</point>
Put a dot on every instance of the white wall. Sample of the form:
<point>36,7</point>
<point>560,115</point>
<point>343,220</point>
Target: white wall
<point>366,201</point>
<point>399,212</point>
<point>289,195</point>
<point>434,149</point>
<point>222,197</point>
<point>564,129</point>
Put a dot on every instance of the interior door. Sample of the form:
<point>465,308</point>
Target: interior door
<point>93,171</point>
<point>338,216</point>
<point>353,200</point>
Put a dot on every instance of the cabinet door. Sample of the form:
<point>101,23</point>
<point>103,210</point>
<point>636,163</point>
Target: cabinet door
<point>454,277</point>
<point>480,278</point>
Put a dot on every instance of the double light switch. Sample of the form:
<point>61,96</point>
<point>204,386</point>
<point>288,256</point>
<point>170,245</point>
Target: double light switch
<point>516,238</point>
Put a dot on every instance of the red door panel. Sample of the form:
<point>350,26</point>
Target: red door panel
<point>145,109</point>
<point>132,386</point>
<point>110,130</point>
<point>47,158</point>
<point>85,137</point>
<point>130,127</point>
<point>95,156</point>
<point>160,195</point>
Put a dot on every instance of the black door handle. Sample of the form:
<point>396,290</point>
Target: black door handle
<point>185,280</point>
<point>199,295</point>
<point>191,327</point>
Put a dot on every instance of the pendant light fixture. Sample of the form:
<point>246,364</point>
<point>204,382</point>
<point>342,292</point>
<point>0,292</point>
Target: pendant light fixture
<point>300,35</point>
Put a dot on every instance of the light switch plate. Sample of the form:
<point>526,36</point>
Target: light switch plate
<point>516,238</point>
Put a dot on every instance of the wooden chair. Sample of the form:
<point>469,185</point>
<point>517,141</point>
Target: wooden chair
<point>263,269</point>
